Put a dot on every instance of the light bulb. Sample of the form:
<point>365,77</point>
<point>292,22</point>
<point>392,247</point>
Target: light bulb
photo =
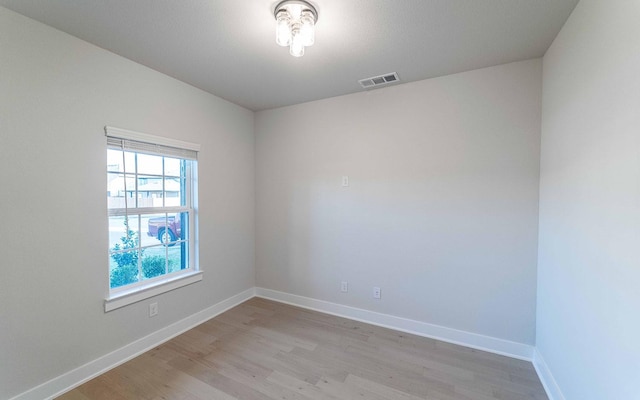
<point>297,46</point>
<point>307,27</point>
<point>295,10</point>
<point>283,30</point>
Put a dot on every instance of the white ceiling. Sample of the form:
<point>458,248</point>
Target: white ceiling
<point>227,47</point>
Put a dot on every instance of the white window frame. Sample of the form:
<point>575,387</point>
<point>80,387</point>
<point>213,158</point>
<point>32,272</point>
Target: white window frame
<point>150,144</point>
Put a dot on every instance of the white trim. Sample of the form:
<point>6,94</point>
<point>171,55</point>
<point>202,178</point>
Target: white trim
<point>65,382</point>
<point>145,137</point>
<point>468,339</point>
<point>546,377</point>
<point>69,380</point>
<point>139,293</point>
<point>122,212</point>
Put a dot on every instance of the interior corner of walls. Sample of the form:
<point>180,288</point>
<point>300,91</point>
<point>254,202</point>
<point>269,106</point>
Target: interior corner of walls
<point>546,377</point>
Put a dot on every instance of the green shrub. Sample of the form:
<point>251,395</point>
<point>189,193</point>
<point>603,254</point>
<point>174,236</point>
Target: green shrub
<point>174,264</point>
<point>130,257</point>
<point>126,271</point>
<point>123,275</point>
<point>153,266</point>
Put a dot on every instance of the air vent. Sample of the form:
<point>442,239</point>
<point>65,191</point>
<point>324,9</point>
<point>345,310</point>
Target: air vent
<point>379,80</point>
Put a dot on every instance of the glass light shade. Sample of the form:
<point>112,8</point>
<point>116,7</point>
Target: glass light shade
<point>295,10</point>
<point>295,25</point>
<point>307,28</point>
<point>283,29</point>
<point>297,45</point>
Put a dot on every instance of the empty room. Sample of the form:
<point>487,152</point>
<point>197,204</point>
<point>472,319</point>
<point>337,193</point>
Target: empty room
<point>322,199</point>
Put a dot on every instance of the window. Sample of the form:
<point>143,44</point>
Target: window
<point>151,198</point>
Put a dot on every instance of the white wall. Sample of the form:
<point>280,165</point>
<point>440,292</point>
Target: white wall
<point>589,258</point>
<point>442,207</point>
<point>56,95</point>
<point>441,211</point>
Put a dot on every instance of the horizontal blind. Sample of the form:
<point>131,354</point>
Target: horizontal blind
<point>143,143</point>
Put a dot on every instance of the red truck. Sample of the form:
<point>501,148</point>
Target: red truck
<point>165,230</point>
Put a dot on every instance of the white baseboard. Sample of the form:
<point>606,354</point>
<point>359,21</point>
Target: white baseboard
<point>65,382</point>
<point>546,377</point>
<point>481,342</point>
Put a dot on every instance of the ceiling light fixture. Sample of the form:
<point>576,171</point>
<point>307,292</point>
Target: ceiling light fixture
<point>295,25</point>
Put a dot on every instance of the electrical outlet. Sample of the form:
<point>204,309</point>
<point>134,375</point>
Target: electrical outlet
<point>345,181</point>
<point>344,287</point>
<point>377,292</point>
<point>153,309</point>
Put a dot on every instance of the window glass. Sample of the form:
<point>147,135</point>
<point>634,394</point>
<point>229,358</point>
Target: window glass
<point>149,164</point>
<point>151,217</point>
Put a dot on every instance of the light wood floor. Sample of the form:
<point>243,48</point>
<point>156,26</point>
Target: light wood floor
<point>267,350</point>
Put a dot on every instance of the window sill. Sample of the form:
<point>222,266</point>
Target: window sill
<point>140,293</point>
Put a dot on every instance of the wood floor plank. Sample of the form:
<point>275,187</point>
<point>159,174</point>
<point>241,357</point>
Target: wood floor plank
<point>342,390</point>
<point>299,386</point>
<point>74,395</point>
<point>381,390</point>
<point>176,381</point>
<point>264,350</point>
